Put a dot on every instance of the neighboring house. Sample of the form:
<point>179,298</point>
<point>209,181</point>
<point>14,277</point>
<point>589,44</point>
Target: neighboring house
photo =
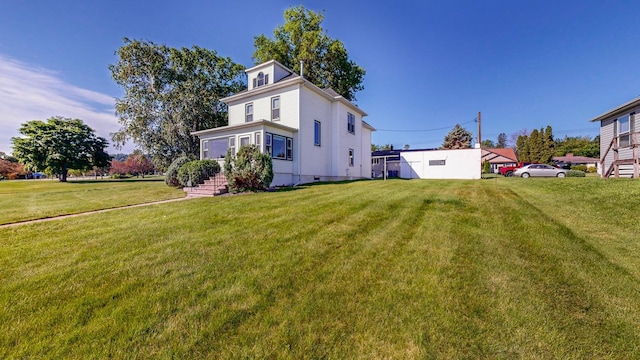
<point>440,164</point>
<point>572,160</point>
<point>312,134</point>
<point>619,140</point>
<point>382,160</point>
<point>498,158</point>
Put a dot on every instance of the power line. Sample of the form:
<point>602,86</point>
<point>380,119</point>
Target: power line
<point>425,130</point>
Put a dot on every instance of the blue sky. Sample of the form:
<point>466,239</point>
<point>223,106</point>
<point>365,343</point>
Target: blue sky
<point>430,64</point>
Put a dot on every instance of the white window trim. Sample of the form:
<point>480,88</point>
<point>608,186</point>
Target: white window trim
<point>317,130</point>
<point>351,123</point>
<point>247,113</point>
<point>274,118</point>
<point>352,157</point>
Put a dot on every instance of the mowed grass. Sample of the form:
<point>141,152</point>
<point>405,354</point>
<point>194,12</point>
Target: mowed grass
<point>22,200</point>
<point>500,268</point>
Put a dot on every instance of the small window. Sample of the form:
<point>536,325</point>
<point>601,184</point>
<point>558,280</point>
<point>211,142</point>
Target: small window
<point>205,149</point>
<point>245,141</point>
<point>316,133</point>
<point>268,146</point>
<point>249,112</point>
<point>275,108</point>
<point>351,123</point>
<point>258,140</point>
<point>260,79</point>
<point>437,162</point>
<point>623,132</point>
<point>289,149</point>
<point>351,157</point>
<point>232,145</point>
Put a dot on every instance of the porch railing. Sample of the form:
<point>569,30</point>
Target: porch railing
<point>614,167</point>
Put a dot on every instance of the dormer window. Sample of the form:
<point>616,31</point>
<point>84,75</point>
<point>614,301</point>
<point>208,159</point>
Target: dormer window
<point>261,79</point>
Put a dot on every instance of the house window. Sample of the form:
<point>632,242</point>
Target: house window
<point>437,162</point>
<point>351,157</point>
<point>248,114</point>
<point>245,141</point>
<point>261,79</point>
<point>205,149</point>
<point>623,131</point>
<point>275,108</point>
<point>232,145</point>
<point>218,148</point>
<point>258,141</point>
<point>279,147</point>
<point>351,123</point>
<point>376,161</point>
<point>316,133</point>
<point>268,146</point>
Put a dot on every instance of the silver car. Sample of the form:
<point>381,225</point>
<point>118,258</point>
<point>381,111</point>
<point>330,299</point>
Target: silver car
<point>540,170</point>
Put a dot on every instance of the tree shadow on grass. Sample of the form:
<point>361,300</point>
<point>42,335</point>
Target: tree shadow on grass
<point>130,180</point>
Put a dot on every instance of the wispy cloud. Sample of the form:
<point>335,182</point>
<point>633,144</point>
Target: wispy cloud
<point>30,92</point>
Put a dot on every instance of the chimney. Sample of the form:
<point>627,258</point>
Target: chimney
<point>301,69</point>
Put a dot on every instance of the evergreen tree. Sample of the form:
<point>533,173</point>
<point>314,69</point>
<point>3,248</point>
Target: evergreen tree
<point>522,148</point>
<point>457,138</point>
<point>502,141</point>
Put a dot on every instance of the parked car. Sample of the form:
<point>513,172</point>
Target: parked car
<point>540,170</point>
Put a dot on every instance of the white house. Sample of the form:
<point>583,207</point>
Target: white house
<point>312,134</point>
<point>619,143</point>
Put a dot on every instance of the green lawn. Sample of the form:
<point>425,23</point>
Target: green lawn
<point>497,268</point>
<point>35,199</point>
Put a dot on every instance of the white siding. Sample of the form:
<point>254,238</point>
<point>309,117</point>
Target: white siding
<point>459,164</point>
<point>316,160</point>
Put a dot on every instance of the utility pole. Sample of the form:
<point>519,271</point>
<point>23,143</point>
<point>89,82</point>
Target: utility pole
<point>479,130</point>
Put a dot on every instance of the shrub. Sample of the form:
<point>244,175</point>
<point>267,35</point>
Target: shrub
<point>592,169</point>
<point>171,176</point>
<point>579,167</point>
<point>575,173</point>
<point>249,170</point>
<point>197,171</point>
<point>487,167</point>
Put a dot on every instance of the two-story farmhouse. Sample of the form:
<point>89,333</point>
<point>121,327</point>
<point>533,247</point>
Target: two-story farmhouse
<point>619,140</point>
<point>312,134</point>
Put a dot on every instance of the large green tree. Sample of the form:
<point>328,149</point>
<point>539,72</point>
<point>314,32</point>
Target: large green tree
<point>579,146</point>
<point>302,38</point>
<point>457,138</point>
<point>59,144</point>
<point>169,93</point>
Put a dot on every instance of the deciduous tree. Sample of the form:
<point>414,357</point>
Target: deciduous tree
<point>457,138</point>
<point>169,93</point>
<point>58,145</point>
<point>302,38</point>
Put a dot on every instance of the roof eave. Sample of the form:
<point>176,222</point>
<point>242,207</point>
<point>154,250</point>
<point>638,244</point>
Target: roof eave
<point>618,110</point>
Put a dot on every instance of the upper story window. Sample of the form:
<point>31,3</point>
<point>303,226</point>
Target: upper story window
<point>624,138</point>
<point>261,79</point>
<point>351,123</point>
<point>275,108</point>
<point>316,133</point>
<point>248,112</point>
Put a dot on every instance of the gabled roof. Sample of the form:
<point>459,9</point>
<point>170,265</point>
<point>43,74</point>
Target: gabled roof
<point>618,110</point>
<point>506,153</point>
